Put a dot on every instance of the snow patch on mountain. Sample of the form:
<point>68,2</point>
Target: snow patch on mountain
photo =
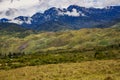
<point>16,21</point>
<point>19,21</point>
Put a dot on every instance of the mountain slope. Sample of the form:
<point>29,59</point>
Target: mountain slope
<point>66,40</point>
<point>11,29</point>
<point>53,26</point>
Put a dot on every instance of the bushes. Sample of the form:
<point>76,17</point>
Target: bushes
<point>53,57</point>
<point>100,55</point>
<point>15,60</point>
<point>12,55</point>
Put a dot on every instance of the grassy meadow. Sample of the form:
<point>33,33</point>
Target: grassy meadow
<point>88,70</point>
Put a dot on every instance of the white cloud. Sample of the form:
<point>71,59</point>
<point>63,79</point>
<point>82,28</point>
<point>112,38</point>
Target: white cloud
<point>73,13</point>
<point>29,7</point>
<point>4,5</point>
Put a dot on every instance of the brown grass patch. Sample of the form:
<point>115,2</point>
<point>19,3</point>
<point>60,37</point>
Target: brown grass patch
<point>90,70</point>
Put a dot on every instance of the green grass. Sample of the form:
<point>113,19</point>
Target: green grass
<point>80,39</point>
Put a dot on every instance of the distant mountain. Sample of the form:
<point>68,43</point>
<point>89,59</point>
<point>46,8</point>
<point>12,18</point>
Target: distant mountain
<point>11,27</point>
<point>74,17</point>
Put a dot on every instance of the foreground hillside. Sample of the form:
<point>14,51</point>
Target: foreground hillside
<point>89,70</point>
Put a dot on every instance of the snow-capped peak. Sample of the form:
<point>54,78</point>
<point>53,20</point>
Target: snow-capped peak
<point>30,7</point>
<point>21,20</point>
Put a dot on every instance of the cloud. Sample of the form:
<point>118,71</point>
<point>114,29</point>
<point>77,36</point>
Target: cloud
<point>29,7</point>
<point>86,3</point>
<point>4,5</point>
<point>72,13</point>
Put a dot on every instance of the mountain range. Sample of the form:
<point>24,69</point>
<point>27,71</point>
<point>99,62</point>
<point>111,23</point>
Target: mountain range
<point>73,17</point>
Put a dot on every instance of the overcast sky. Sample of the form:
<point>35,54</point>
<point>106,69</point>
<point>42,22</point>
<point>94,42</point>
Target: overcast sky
<point>29,7</point>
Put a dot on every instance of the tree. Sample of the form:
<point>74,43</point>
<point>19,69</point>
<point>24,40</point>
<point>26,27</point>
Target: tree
<point>10,55</point>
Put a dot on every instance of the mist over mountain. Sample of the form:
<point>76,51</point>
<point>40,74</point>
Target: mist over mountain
<point>72,17</point>
<point>30,7</point>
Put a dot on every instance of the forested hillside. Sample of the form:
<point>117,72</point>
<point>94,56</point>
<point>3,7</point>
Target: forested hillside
<point>59,47</point>
<point>44,41</point>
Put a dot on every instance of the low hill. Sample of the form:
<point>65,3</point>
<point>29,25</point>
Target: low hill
<point>12,29</point>
<point>116,25</point>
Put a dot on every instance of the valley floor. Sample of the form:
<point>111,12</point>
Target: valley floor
<point>87,70</point>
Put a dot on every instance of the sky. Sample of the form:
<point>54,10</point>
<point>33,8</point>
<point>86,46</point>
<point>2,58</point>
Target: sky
<point>13,8</point>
